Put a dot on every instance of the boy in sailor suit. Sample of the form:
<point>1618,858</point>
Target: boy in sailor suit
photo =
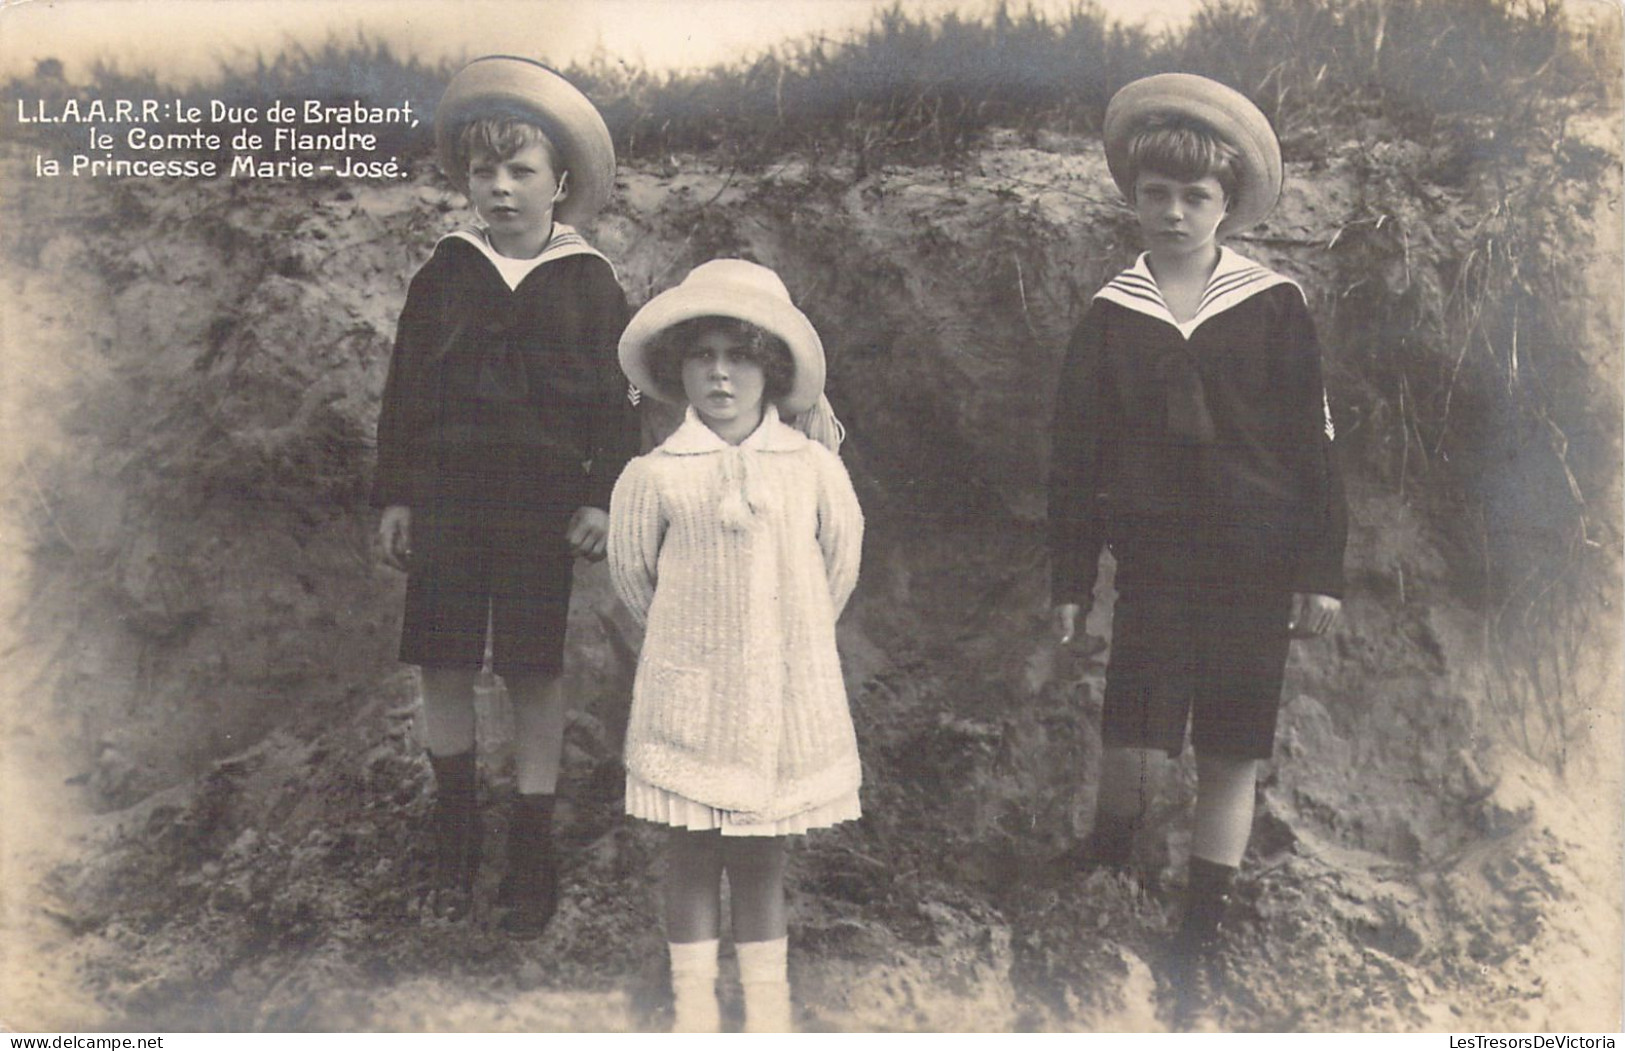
<point>1192,435</point>
<point>504,425</point>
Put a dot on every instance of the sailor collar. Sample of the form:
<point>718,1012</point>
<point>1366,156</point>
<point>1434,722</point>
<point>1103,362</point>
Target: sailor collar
<point>694,438</point>
<point>1235,280</point>
<point>565,241</point>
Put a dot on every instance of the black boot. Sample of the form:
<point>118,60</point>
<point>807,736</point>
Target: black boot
<point>1196,943</point>
<point>456,824</point>
<point>1207,896</point>
<point>530,887</point>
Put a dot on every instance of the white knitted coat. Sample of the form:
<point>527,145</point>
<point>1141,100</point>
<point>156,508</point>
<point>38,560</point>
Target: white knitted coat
<point>739,559</point>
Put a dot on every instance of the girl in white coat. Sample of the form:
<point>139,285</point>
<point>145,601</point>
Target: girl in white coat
<point>737,542</point>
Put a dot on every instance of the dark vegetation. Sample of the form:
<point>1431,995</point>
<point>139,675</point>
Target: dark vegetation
<point>1478,72</point>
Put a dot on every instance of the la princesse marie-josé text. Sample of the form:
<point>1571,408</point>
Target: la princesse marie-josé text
<point>156,137</point>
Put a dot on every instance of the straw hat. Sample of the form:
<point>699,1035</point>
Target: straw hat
<point>505,86</point>
<point>1226,111</point>
<point>728,288</point>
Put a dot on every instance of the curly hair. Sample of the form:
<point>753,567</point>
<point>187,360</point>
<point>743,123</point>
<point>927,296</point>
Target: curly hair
<point>502,138</point>
<point>1184,148</point>
<point>671,348</point>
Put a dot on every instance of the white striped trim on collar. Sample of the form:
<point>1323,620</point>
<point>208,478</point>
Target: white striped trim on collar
<point>1233,281</point>
<point>566,241</point>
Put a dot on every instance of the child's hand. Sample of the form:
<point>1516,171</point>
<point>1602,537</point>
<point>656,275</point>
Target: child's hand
<point>1312,615</point>
<point>589,533</point>
<point>1066,621</point>
<point>395,536</point>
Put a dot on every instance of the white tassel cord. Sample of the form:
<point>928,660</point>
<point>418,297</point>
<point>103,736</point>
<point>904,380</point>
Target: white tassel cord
<point>821,425</point>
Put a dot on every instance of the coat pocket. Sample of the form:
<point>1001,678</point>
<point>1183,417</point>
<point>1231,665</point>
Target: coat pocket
<point>673,709</point>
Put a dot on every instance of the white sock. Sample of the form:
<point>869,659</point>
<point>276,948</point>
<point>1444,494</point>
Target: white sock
<point>694,987</point>
<point>764,974</point>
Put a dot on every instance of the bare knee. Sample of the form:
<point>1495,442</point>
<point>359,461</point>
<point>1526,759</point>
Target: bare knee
<point>448,710</point>
<point>1220,771</point>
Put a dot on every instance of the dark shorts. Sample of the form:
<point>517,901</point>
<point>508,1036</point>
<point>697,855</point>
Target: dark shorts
<point>1198,637</point>
<point>489,550</point>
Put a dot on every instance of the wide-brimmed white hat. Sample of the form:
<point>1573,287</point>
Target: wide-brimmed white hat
<point>733,288</point>
<point>505,86</point>
<point>1227,111</point>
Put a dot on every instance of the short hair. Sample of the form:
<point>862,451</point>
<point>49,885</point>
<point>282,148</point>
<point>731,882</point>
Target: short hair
<point>502,138</point>
<point>1184,148</point>
<point>671,348</point>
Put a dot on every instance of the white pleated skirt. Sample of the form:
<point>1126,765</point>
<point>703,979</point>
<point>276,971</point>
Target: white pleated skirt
<point>651,803</point>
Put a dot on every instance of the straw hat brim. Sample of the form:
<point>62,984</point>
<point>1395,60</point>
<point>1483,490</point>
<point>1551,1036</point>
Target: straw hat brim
<point>762,309</point>
<point>1228,112</point>
<point>506,86</point>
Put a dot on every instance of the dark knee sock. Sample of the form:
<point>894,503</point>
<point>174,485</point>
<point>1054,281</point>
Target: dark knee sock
<point>453,773</point>
<point>1111,841</point>
<point>456,782</point>
<point>456,816</point>
<point>1207,896</point>
<point>531,833</point>
<point>531,883</point>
